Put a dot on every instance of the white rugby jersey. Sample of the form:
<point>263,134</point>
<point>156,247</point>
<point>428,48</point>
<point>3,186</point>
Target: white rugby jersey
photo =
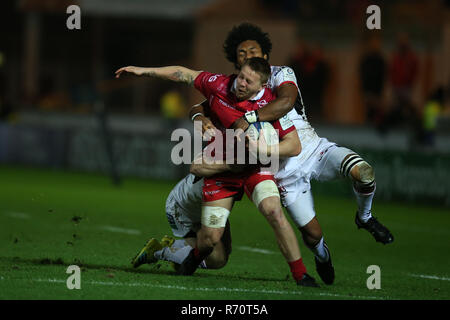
<point>308,137</point>
<point>281,75</point>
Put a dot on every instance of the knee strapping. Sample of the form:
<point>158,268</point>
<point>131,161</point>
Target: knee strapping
<point>366,173</point>
<point>263,190</point>
<point>348,164</point>
<point>366,182</point>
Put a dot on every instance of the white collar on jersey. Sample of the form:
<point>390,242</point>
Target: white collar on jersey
<point>258,95</point>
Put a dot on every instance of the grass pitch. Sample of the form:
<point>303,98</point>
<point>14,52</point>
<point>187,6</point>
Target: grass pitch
<point>50,220</point>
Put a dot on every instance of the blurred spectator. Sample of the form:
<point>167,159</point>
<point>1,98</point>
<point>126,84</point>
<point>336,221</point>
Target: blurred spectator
<point>172,105</point>
<point>403,75</point>
<point>372,73</point>
<point>173,109</point>
<point>49,99</point>
<point>6,109</point>
<point>312,74</point>
<point>432,109</point>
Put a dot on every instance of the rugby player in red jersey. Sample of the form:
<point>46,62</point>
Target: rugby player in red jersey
<point>231,97</point>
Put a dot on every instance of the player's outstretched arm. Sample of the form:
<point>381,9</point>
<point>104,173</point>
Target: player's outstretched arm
<point>173,73</point>
<point>286,95</point>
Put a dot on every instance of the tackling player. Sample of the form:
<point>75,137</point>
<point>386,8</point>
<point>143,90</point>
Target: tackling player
<point>320,159</point>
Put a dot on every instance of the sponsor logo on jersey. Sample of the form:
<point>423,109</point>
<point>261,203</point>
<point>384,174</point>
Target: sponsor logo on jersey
<point>286,122</point>
<point>261,103</point>
<point>210,193</point>
<point>322,153</point>
<point>212,78</point>
<point>226,104</point>
<point>288,75</point>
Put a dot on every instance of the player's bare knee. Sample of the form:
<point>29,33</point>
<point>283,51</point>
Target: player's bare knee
<point>277,219</point>
<point>208,238</point>
<point>218,257</point>
<point>311,233</point>
<point>271,211</point>
<point>312,229</point>
<point>208,241</point>
<point>310,240</point>
<point>216,261</point>
<point>269,204</point>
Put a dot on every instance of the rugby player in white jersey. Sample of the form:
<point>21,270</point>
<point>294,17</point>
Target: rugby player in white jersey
<point>320,159</point>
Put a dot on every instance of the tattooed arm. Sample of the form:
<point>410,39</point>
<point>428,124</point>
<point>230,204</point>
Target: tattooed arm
<point>173,73</point>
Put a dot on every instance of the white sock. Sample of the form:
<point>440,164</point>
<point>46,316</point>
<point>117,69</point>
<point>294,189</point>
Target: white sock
<point>364,201</point>
<point>180,243</point>
<point>176,253</point>
<point>320,252</point>
<point>177,244</point>
<point>172,254</point>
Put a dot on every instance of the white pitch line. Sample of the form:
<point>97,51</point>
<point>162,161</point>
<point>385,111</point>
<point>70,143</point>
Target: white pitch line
<point>18,215</point>
<point>263,251</point>
<point>429,277</point>
<point>121,230</point>
<point>223,289</point>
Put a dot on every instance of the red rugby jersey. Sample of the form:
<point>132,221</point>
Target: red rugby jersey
<point>225,109</point>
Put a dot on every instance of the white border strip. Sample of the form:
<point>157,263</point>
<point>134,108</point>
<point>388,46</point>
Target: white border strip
<point>121,230</point>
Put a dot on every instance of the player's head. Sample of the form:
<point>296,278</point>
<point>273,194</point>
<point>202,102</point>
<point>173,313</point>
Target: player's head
<point>245,41</point>
<point>252,78</point>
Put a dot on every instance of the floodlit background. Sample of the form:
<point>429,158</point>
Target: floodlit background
<point>382,92</point>
<point>85,163</point>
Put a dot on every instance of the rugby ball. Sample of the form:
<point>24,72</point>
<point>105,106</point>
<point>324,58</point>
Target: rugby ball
<point>270,134</point>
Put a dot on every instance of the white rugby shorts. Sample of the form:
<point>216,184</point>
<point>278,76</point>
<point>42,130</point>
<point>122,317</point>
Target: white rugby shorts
<point>323,165</point>
<point>179,220</point>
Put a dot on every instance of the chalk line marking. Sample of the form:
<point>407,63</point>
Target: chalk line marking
<point>424,276</point>
<point>263,251</point>
<point>17,215</point>
<point>121,230</point>
<point>223,289</point>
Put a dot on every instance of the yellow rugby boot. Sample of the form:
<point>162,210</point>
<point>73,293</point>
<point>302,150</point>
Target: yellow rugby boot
<point>146,255</point>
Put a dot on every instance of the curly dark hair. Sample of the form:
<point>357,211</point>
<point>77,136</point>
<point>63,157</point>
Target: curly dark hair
<point>243,32</point>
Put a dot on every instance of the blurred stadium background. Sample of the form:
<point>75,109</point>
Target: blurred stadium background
<point>57,89</point>
<point>61,110</point>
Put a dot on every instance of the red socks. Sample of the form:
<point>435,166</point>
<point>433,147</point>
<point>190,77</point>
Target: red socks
<point>199,257</point>
<point>298,269</point>
<point>196,253</point>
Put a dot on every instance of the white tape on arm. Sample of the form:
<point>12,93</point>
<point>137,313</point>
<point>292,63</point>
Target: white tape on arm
<point>195,115</point>
<point>252,116</point>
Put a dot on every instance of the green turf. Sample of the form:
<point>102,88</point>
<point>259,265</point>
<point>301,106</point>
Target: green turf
<point>50,220</point>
